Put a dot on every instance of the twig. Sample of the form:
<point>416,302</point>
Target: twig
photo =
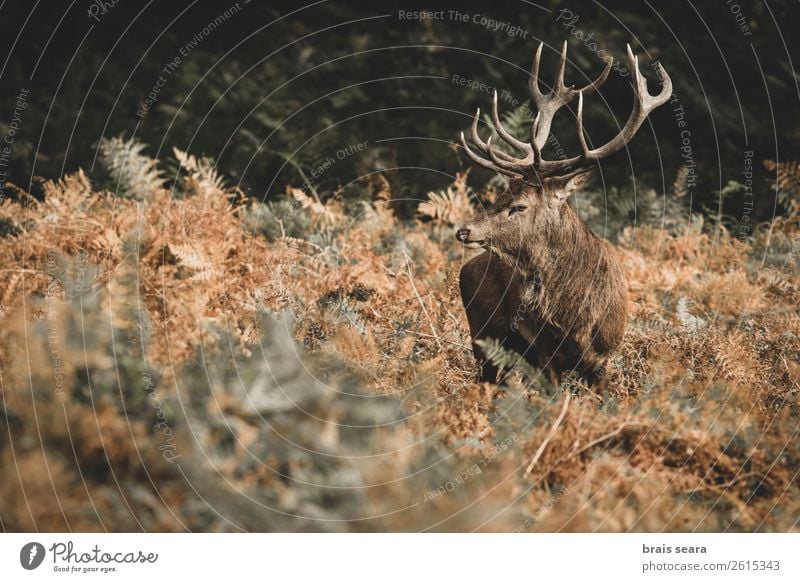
<point>605,437</point>
<point>299,168</point>
<point>459,344</point>
<point>421,303</point>
<point>298,241</point>
<point>728,484</point>
<point>423,334</point>
<point>453,317</point>
<point>551,434</point>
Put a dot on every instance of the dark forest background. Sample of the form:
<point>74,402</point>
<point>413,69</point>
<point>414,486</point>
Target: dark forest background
<point>277,88</point>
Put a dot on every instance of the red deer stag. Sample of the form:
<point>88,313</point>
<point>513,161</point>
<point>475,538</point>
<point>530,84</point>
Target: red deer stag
<point>547,286</point>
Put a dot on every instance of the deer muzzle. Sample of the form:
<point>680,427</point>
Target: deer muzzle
<point>468,237</point>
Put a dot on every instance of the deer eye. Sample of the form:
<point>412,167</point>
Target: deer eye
<point>517,208</point>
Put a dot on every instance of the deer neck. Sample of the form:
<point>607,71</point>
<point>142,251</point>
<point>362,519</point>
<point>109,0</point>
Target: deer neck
<point>559,252</point>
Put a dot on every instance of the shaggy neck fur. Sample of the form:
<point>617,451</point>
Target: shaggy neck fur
<point>575,277</point>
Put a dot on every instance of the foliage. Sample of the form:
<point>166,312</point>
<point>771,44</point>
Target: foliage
<point>450,206</point>
<point>132,172</point>
<point>202,173</point>
<point>278,88</point>
<point>314,370</point>
<point>787,183</point>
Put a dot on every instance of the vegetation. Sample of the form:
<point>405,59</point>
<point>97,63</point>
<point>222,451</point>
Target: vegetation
<point>278,87</point>
<point>177,356</point>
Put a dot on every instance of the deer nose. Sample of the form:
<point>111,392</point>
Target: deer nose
<point>462,233</point>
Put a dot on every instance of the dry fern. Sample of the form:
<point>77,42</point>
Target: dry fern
<point>449,207</point>
<point>787,183</point>
<point>696,430</point>
<point>202,175</point>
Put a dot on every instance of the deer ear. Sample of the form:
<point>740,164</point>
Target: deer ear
<point>577,180</point>
<point>562,186</point>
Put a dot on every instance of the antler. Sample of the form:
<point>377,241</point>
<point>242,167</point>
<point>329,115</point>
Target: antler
<point>547,105</point>
<point>558,97</point>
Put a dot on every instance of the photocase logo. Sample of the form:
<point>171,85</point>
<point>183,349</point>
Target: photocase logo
<point>31,555</point>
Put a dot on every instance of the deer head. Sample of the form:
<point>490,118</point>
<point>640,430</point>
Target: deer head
<point>534,202</point>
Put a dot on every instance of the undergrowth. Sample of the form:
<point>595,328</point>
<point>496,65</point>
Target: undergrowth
<point>175,356</point>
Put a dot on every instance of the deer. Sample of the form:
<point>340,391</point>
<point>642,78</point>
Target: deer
<point>546,286</point>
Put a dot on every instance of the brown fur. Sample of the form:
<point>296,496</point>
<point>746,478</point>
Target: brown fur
<point>547,286</point>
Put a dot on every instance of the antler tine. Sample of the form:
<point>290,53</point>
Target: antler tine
<point>533,82</point>
<point>483,162</point>
<point>548,105</point>
<point>639,82</point>
<point>666,88</point>
<point>501,131</point>
<point>598,82</point>
<point>558,86</point>
<point>537,151</point>
<point>579,121</point>
<point>476,139</point>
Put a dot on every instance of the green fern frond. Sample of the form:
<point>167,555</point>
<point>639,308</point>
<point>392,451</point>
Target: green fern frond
<point>517,122</point>
<point>508,360</point>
